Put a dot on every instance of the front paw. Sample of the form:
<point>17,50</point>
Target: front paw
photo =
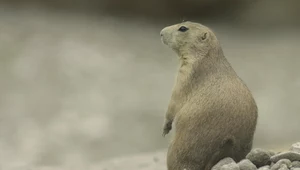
<point>167,128</point>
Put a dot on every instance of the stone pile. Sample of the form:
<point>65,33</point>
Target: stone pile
<point>260,159</point>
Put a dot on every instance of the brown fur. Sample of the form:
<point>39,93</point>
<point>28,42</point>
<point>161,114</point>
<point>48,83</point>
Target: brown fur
<point>213,111</point>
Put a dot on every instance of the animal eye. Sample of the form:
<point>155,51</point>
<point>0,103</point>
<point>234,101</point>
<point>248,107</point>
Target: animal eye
<point>183,29</point>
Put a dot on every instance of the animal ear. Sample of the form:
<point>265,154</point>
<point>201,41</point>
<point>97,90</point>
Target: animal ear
<point>204,36</point>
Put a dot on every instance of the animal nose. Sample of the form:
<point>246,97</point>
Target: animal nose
<point>161,33</point>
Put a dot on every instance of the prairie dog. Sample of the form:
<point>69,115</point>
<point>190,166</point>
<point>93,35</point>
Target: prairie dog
<point>213,111</point>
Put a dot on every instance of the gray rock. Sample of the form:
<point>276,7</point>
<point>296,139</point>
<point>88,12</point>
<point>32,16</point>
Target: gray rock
<point>283,167</point>
<point>295,168</point>
<point>231,166</point>
<point>222,162</point>
<point>259,157</point>
<point>281,164</point>
<point>271,153</point>
<point>295,147</point>
<point>267,167</point>
<point>292,156</point>
<point>246,164</point>
<point>295,164</point>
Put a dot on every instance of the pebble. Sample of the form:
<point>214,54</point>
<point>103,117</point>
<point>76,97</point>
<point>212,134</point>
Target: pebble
<point>296,164</point>
<point>230,166</point>
<point>295,147</point>
<point>272,163</point>
<point>259,157</point>
<point>292,156</point>
<point>283,167</point>
<point>246,164</point>
<point>271,153</point>
<point>222,162</point>
<point>281,164</point>
<point>295,168</point>
<point>266,167</point>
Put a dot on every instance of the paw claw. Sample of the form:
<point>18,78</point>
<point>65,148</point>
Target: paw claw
<point>167,128</point>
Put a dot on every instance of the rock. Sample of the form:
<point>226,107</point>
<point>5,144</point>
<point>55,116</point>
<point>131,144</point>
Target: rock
<point>267,167</point>
<point>292,156</point>
<point>222,162</point>
<point>283,167</point>
<point>279,164</point>
<point>295,168</point>
<point>231,166</point>
<point>295,164</point>
<point>246,164</point>
<point>259,157</point>
<point>295,147</point>
<point>271,153</point>
<point>272,163</point>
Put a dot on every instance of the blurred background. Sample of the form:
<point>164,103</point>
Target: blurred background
<point>84,81</point>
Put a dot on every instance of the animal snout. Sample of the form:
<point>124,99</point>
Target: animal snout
<point>161,33</point>
<point>164,36</point>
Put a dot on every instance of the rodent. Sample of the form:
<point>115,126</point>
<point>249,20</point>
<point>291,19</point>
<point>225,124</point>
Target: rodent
<point>213,111</point>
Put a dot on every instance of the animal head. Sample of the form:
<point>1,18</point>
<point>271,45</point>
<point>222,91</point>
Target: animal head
<point>189,38</point>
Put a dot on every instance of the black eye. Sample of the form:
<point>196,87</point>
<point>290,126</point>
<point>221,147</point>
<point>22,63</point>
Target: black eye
<point>183,29</point>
